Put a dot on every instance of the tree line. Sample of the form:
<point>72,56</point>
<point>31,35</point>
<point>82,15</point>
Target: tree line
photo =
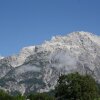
<point>69,87</point>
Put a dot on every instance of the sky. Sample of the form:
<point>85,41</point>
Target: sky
<point>31,22</point>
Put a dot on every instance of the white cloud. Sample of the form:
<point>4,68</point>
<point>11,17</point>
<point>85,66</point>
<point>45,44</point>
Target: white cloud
<point>26,68</point>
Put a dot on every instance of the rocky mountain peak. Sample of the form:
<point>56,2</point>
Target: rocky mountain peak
<point>82,33</point>
<point>73,40</point>
<point>74,35</point>
<point>37,68</point>
<point>85,36</point>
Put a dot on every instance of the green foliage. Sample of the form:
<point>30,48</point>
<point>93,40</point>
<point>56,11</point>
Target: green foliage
<point>40,96</point>
<point>98,85</point>
<point>19,97</point>
<point>37,96</point>
<point>76,87</point>
<point>5,96</point>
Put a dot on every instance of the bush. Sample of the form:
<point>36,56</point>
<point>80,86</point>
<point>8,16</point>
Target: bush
<point>5,96</point>
<point>76,87</point>
<point>40,96</point>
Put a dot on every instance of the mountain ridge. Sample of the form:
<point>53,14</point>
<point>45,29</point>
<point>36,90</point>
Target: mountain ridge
<point>37,68</point>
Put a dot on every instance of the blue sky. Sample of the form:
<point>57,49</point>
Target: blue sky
<point>30,22</point>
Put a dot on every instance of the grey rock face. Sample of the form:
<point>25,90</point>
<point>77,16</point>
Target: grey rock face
<point>37,68</point>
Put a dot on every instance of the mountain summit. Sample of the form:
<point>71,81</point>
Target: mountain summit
<point>37,68</point>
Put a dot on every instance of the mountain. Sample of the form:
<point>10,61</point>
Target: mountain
<point>37,68</point>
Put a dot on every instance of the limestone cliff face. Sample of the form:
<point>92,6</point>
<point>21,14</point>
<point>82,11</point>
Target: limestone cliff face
<point>37,68</point>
